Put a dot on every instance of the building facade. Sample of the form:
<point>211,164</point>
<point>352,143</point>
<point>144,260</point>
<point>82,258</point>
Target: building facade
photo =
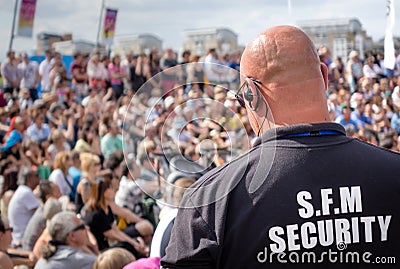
<point>142,43</point>
<point>70,47</point>
<point>199,41</point>
<point>340,35</point>
<point>45,41</point>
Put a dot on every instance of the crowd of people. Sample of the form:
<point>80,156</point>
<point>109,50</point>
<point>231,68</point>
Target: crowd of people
<point>85,157</point>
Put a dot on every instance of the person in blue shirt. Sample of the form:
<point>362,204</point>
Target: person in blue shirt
<point>359,117</point>
<point>345,119</point>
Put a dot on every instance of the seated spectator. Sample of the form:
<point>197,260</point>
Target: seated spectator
<point>112,141</point>
<point>51,208</point>
<point>25,100</point>
<point>100,218</point>
<point>75,170</point>
<point>69,127</point>
<point>90,167</point>
<point>33,153</point>
<point>115,258</point>
<point>359,117</point>
<point>371,70</point>
<point>23,204</point>
<point>89,141</point>
<point>55,114</point>
<point>167,217</point>
<point>48,194</point>
<point>60,174</point>
<point>58,144</point>
<point>68,233</point>
<point>13,151</point>
<point>346,121</point>
<point>132,187</point>
<point>38,131</point>
<point>147,171</point>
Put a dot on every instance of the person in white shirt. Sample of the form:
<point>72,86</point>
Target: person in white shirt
<point>370,69</point>
<point>23,204</point>
<point>60,176</point>
<point>44,71</point>
<point>212,68</point>
<point>97,73</point>
<point>30,76</point>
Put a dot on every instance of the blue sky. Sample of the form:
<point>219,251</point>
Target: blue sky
<point>167,19</point>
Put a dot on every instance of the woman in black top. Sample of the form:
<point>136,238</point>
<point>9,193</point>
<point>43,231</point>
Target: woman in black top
<point>100,218</point>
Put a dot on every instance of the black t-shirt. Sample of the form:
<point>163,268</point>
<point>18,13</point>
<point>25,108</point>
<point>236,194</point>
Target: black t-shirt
<point>99,222</point>
<point>304,195</point>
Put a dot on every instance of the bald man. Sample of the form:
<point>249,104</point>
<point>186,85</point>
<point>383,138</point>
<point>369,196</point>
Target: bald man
<point>305,194</point>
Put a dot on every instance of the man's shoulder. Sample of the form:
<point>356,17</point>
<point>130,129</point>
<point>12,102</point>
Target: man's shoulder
<point>218,182</point>
<point>395,156</point>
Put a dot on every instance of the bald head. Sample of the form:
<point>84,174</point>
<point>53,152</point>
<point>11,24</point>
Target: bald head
<point>280,56</point>
<point>293,80</point>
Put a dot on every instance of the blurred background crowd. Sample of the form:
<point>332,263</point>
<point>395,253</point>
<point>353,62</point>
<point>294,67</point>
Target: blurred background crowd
<point>95,156</point>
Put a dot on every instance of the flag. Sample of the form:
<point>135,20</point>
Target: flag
<point>390,58</point>
<point>26,18</point>
<point>110,20</point>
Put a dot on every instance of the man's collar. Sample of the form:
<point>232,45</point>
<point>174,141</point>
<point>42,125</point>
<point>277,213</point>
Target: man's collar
<point>281,132</point>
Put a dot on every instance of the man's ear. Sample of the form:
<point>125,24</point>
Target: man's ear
<point>324,71</point>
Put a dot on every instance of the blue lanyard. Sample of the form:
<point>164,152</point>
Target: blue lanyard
<point>313,133</point>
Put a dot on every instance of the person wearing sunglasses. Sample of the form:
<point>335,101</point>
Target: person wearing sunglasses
<point>68,234</point>
<point>304,188</point>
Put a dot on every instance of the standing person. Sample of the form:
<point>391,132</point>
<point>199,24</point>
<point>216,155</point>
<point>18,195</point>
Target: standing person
<point>79,75</point>
<point>30,75</point>
<point>354,70</point>
<point>195,72</point>
<point>212,68</point>
<point>169,76</point>
<point>23,204</point>
<point>136,72</point>
<point>97,73</point>
<point>303,188</point>
<point>9,72</point>
<point>117,74</point>
<point>45,67</point>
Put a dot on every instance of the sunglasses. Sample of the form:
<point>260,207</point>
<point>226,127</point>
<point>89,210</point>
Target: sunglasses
<point>80,227</point>
<point>247,95</point>
<point>239,96</point>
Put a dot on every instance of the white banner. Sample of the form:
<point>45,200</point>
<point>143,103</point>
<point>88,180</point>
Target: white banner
<point>390,59</point>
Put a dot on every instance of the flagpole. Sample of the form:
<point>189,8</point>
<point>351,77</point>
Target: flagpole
<point>13,26</point>
<point>99,26</point>
<point>389,58</point>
